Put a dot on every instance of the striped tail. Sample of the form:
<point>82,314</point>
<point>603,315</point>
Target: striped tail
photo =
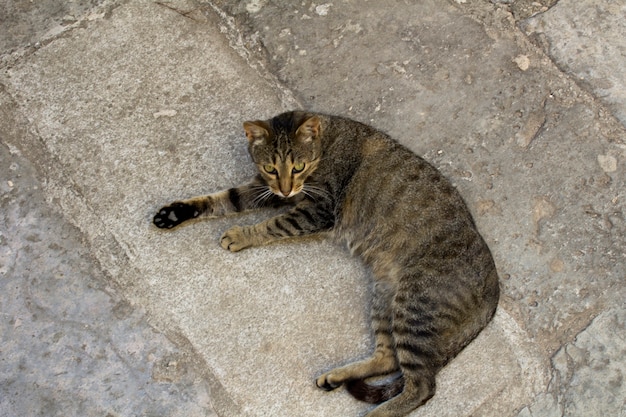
<point>375,394</point>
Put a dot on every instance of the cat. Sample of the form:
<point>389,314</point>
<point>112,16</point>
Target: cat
<point>435,282</point>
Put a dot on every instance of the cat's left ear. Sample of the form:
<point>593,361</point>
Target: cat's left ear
<point>309,130</point>
<point>256,131</point>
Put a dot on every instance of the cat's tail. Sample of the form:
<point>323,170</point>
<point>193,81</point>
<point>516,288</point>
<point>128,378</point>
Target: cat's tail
<point>375,394</point>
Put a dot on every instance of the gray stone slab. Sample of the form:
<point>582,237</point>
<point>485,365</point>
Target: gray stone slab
<point>70,344</point>
<point>128,57</point>
<point>25,23</point>
<point>149,109</point>
<point>523,9</point>
<point>587,38</point>
<point>588,376</point>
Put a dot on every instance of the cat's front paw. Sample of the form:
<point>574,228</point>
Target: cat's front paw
<point>174,214</point>
<point>235,239</point>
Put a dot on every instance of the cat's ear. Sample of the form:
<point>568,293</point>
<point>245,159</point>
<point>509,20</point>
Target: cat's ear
<point>309,130</point>
<point>256,132</point>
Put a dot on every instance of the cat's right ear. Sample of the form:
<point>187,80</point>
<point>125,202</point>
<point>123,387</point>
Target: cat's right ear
<point>309,130</point>
<point>256,132</point>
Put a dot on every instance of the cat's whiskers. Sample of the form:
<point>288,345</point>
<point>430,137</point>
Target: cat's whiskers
<point>262,197</point>
<point>253,189</point>
<point>315,192</point>
<point>258,194</point>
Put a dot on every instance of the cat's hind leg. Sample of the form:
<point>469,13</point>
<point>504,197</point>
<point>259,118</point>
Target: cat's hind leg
<point>383,361</point>
<point>417,334</point>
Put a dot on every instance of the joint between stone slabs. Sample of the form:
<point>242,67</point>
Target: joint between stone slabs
<point>256,60</point>
<point>537,54</point>
<point>59,31</point>
<point>193,14</point>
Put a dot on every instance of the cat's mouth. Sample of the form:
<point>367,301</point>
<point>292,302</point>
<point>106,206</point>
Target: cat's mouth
<point>286,191</point>
<point>287,194</point>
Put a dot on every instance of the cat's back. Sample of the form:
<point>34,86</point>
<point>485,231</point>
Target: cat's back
<point>398,210</point>
<point>391,190</point>
<point>412,227</point>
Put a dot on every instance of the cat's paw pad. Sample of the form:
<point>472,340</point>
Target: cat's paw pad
<point>234,239</point>
<point>327,383</point>
<point>174,214</point>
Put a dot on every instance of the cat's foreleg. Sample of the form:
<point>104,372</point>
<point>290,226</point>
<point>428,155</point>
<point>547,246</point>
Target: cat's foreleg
<point>256,194</point>
<point>304,219</point>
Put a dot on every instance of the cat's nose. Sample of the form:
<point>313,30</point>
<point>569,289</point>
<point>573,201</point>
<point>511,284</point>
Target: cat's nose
<point>285,192</point>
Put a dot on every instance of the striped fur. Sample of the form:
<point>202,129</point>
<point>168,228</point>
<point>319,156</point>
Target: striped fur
<point>436,285</point>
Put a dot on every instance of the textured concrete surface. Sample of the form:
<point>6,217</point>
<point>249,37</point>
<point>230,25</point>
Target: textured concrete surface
<point>26,23</point>
<point>587,39</point>
<point>121,107</point>
<point>70,343</point>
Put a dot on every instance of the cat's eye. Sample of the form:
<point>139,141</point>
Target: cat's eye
<point>270,169</point>
<point>298,167</point>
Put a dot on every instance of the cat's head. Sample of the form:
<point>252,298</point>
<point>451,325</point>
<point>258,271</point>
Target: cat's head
<point>286,150</point>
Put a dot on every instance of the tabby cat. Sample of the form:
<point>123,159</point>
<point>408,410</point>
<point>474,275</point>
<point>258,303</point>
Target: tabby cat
<point>436,285</point>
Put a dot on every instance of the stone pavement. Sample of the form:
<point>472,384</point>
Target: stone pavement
<point>111,109</point>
